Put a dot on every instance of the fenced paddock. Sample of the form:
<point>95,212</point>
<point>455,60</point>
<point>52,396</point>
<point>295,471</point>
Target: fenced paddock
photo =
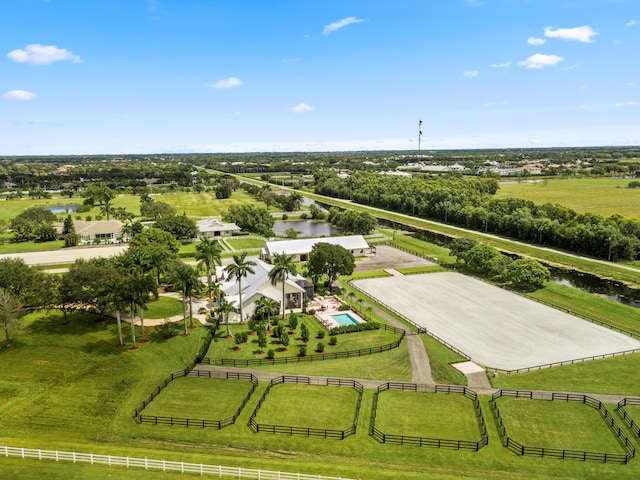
<point>568,420</point>
<point>305,403</point>
<point>492,326</point>
<point>219,395</point>
<point>420,415</point>
<point>629,410</point>
<point>163,465</point>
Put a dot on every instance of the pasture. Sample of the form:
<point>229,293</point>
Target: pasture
<point>71,388</point>
<point>604,196</point>
<point>557,424</point>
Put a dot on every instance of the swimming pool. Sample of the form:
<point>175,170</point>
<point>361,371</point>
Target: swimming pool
<point>345,319</point>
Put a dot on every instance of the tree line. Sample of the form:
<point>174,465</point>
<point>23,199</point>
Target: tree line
<point>471,203</point>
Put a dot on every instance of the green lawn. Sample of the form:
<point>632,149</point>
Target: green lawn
<point>309,406</point>
<point>225,347</point>
<point>240,243</point>
<point>557,424</point>
<point>427,415</point>
<point>71,388</point>
<point>610,375</point>
<point>164,307</point>
<point>440,359</point>
<point>589,305</point>
<point>21,247</point>
<point>200,398</point>
<point>604,196</point>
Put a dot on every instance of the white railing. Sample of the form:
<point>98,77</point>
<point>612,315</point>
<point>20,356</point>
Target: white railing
<point>164,465</point>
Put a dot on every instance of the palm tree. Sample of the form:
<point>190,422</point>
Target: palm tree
<point>282,266</point>
<point>8,312</point>
<point>185,279</point>
<point>141,285</point>
<point>107,209</point>
<point>208,254</point>
<point>351,294</point>
<point>266,305</point>
<point>240,267</point>
<point>224,309</point>
<point>114,297</point>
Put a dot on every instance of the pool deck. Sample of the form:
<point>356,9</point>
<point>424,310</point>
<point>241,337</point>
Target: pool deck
<point>327,306</point>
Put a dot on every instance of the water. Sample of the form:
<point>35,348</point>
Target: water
<point>592,284</point>
<point>344,319</point>
<point>65,209</point>
<point>306,228</point>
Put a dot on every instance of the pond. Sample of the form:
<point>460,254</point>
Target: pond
<point>65,209</point>
<point>306,228</point>
<point>592,284</point>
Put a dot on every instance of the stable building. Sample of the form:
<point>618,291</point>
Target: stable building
<point>356,244</point>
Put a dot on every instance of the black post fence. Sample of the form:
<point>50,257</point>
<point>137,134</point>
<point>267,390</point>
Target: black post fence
<point>424,441</point>
<point>520,449</point>
<point>306,431</point>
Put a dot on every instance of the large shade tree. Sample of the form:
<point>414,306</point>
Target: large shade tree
<point>240,268</point>
<point>9,313</point>
<point>330,260</point>
<point>283,266</point>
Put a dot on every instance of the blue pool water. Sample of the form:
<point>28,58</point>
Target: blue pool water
<point>344,319</point>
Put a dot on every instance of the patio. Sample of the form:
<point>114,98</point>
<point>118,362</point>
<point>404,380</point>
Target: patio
<point>325,307</point>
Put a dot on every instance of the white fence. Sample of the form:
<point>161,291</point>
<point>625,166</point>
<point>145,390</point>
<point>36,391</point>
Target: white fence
<point>164,465</point>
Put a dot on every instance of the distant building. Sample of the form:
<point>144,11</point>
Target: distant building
<point>301,248</point>
<point>99,231</point>
<point>213,227</point>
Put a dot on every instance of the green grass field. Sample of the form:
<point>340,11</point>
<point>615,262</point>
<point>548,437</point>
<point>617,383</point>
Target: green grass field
<point>604,196</point>
<point>557,424</point>
<point>427,415</point>
<point>71,388</point>
<point>200,398</point>
<point>162,308</point>
<point>309,406</point>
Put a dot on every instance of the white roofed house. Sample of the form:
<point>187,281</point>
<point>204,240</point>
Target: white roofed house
<point>213,227</point>
<point>301,248</point>
<point>257,285</point>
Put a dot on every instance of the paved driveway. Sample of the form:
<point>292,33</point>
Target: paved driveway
<point>67,255</point>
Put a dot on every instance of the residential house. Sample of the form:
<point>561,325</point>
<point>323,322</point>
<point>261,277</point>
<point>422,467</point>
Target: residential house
<point>257,285</point>
<point>213,227</point>
<point>99,231</point>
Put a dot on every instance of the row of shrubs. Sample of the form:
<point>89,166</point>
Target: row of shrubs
<point>360,327</point>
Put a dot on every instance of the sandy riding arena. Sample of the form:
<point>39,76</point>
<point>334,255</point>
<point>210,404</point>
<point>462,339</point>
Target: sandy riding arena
<point>496,328</point>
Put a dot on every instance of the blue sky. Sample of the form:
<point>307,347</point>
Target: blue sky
<point>153,76</point>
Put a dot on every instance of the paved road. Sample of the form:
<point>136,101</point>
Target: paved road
<point>67,255</point>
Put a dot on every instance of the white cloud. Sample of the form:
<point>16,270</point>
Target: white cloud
<point>577,34</point>
<point>540,60</point>
<point>627,104</point>
<point>632,23</point>
<point>501,65</point>
<point>332,27</point>
<point>302,107</point>
<point>471,74</point>
<point>536,41</point>
<point>230,82</point>
<point>18,95</point>
<point>37,54</point>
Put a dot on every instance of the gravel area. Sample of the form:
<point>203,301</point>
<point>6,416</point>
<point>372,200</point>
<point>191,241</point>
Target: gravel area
<point>496,328</point>
<point>389,257</point>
